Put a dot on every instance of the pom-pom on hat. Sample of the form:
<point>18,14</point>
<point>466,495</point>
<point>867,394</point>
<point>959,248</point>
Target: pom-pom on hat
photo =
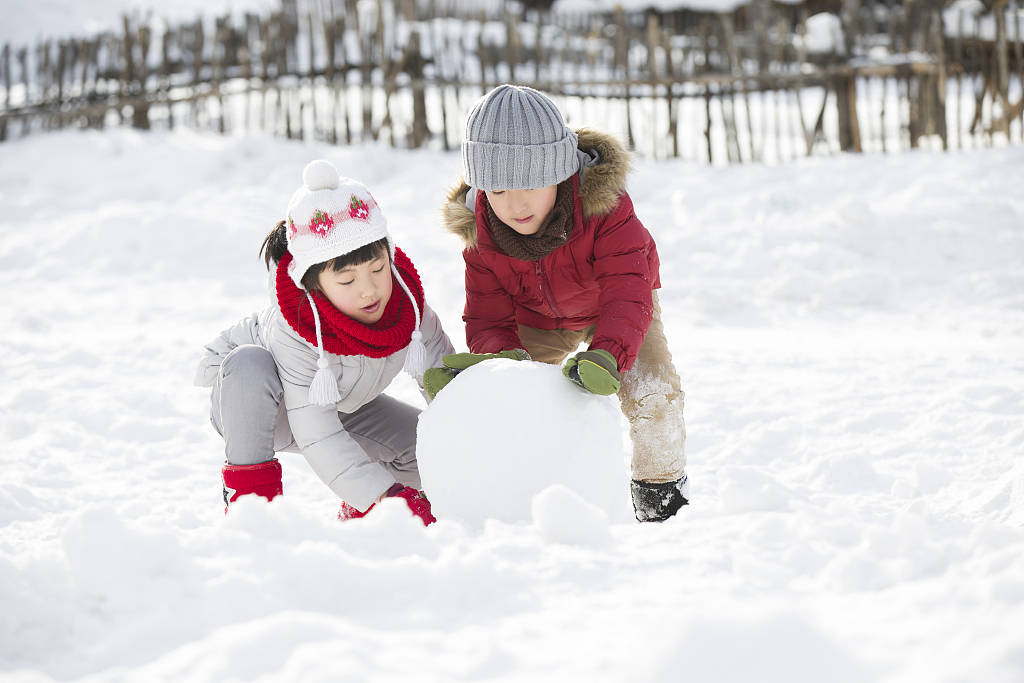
<point>516,139</point>
<point>330,216</point>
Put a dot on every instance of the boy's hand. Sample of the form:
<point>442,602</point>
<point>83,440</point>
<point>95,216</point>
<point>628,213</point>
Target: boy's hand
<point>596,371</point>
<point>436,379</point>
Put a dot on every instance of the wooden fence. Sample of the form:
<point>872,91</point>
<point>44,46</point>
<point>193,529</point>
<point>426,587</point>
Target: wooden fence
<point>766,82</point>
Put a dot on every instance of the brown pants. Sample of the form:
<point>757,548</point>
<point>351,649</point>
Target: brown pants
<point>651,396</point>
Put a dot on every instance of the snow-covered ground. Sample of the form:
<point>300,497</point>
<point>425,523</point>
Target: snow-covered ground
<point>850,332</point>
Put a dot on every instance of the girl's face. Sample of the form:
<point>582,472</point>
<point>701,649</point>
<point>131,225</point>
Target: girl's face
<point>361,291</point>
<point>523,210</point>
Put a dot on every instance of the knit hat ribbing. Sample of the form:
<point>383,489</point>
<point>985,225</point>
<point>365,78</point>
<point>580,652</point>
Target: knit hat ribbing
<point>516,139</point>
<point>330,216</point>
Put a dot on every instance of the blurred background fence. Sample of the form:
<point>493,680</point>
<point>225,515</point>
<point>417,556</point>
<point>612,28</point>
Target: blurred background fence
<point>763,81</point>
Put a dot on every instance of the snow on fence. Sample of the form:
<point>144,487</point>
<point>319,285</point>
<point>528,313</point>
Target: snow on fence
<point>765,81</point>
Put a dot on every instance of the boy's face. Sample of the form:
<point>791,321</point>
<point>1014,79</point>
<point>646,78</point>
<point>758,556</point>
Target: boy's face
<point>523,210</point>
<point>361,291</point>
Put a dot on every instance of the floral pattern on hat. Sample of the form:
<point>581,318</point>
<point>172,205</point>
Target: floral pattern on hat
<point>358,209</point>
<point>321,223</point>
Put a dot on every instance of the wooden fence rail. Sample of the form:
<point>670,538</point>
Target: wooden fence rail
<point>766,82</point>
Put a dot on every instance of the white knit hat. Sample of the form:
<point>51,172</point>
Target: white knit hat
<point>330,216</point>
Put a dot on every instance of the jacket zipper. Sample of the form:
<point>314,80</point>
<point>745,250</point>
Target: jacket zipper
<point>545,289</point>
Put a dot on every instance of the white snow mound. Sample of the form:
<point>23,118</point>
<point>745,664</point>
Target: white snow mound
<point>504,431</point>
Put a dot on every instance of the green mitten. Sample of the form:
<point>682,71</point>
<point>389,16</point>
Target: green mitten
<point>596,371</point>
<point>435,379</point>
<point>461,361</point>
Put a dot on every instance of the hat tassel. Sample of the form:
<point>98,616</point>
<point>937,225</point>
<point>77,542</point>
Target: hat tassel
<point>416,356</point>
<point>323,390</point>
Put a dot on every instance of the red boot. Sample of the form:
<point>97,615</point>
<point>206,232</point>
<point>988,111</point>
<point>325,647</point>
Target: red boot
<point>348,512</point>
<point>263,479</point>
<point>417,502</point>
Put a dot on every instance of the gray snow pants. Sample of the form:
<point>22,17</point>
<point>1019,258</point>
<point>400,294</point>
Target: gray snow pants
<point>246,401</point>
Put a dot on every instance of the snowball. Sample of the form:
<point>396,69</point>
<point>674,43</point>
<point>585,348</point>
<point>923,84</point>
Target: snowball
<point>503,431</point>
<point>563,517</point>
<point>320,175</point>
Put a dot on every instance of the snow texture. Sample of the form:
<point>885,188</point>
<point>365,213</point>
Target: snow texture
<point>850,336</point>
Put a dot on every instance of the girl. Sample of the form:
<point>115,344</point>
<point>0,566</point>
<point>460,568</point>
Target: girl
<point>556,257</point>
<point>307,374</point>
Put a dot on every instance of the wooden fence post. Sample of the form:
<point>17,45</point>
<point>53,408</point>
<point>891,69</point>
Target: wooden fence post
<point>7,90</point>
<point>985,68</point>
<point>387,69</point>
<point>165,75</point>
<point>1018,52</point>
<point>266,50</point>
<point>83,82</point>
<point>779,91</point>
<point>881,114</point>
<point>127,67</point>
<point>140,108</point>
<point>59,70</point>
<point>513,43</point>
<point>414,64</point>
<point>222,49</point>
<point>938,115</point>
<point>1002,84</point>
<point>542,53</point>
<point>442,72</point>
<point>621,67</point>
<point>482,51</point>
<point>196,46</point>
<point>845,87</point>
<point>705,31</point>
<point>670,98</point>
<point>653,38</point>
<point>958,62</point>
<point>311,28</point>
<point>245,62</point>
<point>43,71</point>
<point>96,113</point>
<point>365,39</point>
<point>327,29</point>
<point>726,99</point>
<point>808,133</point>
<point>341,95</point>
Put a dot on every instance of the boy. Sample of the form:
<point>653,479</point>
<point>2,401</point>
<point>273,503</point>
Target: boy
<point>555,257</point>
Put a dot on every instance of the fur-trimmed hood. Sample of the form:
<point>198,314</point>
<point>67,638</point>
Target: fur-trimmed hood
<point>604,180</point>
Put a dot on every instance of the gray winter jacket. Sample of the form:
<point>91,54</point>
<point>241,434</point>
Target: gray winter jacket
<point>315,430</point>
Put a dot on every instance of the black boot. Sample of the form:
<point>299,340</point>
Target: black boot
<point>658,502</point>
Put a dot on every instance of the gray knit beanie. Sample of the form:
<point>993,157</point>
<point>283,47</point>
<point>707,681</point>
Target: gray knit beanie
<point>516,139</point>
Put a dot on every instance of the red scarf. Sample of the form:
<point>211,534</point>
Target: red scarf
<point>341,334</point>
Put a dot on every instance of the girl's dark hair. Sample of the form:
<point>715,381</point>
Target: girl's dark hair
<point>275,244</point>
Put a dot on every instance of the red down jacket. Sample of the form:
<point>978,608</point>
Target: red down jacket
<point>603,276</point>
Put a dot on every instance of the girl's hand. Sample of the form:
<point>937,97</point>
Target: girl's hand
<point>436,379</point>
